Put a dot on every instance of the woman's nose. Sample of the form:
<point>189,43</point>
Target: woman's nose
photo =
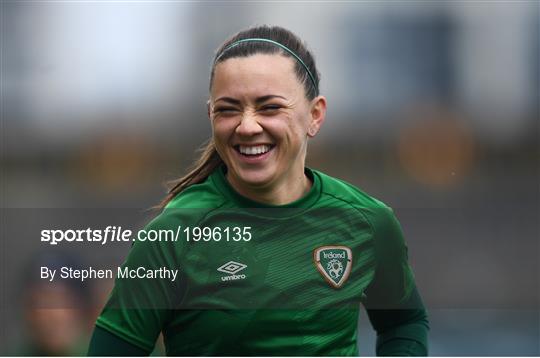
<point>249,124</point>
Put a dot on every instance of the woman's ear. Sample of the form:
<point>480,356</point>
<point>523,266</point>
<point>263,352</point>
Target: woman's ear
<point>317,115</point>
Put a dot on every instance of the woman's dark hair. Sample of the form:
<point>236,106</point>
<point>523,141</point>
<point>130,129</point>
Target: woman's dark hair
<point>209,159</point>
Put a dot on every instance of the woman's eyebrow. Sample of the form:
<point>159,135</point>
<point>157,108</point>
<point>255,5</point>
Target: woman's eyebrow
<point>263,99</point>
<point>258,100</point>
<point>228,99</point>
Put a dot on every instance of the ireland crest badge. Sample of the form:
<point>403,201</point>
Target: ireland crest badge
<point>334,263</point>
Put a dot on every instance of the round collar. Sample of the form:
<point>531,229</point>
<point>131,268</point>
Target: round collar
<point>221,182</point>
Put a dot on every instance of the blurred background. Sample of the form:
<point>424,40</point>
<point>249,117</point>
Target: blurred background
<point>433,108</point>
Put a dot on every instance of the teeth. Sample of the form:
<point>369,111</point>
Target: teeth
<point>254,150</point>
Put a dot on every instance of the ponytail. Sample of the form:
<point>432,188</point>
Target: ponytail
<point>208,161</point>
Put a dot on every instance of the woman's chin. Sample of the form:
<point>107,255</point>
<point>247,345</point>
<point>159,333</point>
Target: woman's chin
<point>255,179</point>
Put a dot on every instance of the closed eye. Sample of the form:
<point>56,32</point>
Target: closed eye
<point>225,110</point>
<point>270,108</point>
<point>222,109</point>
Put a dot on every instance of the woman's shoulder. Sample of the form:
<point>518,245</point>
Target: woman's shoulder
<point>204,195</point>
<point>340,193</point>
<point>341,190</point>
<point>190,205</point>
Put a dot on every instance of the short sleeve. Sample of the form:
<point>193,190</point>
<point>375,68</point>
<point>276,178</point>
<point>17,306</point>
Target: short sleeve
<point>139,307</point>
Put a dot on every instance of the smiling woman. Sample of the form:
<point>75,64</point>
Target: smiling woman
<point>262,121</point>
<point>317,248</point>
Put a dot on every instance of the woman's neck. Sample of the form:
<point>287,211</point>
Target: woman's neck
<point>282,194</point>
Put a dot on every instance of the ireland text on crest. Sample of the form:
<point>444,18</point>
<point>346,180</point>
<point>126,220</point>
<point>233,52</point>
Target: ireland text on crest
<point>334,263</point>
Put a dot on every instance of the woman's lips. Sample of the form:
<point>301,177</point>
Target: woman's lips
<point>254,153</point>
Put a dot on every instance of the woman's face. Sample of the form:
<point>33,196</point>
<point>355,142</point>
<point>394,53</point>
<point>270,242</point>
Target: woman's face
<point>261,121</point>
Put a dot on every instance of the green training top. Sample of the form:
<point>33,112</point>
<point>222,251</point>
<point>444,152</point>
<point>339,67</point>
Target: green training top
<point>276,280</point>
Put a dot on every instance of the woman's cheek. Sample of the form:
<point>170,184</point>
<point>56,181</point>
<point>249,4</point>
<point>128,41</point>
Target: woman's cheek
<point>223,127</point>
<point>279,124</point>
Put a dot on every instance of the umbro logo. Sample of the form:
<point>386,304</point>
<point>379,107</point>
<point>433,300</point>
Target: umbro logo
<point>232,268</point>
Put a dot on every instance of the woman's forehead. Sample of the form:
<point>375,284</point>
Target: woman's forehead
<point>255,76</point>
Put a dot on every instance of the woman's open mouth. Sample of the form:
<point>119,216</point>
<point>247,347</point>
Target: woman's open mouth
<point>254,152</point>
